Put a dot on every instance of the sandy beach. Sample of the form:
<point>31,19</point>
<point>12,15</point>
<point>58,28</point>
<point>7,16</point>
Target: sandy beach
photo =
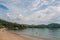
<point>6,35</point>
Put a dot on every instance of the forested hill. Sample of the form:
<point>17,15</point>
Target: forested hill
<point>14,26</point>
<point>52,25</point>
<point>10,25</point>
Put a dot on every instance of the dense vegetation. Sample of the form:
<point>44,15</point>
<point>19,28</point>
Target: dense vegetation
<point>10,25</point>
<point>52,25</point>
<point>14,26</point>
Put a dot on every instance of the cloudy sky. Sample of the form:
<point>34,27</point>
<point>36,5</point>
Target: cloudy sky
<point>30,11</point>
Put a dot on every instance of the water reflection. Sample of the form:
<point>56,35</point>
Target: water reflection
<point>54,32</point>
<point>42,32</point>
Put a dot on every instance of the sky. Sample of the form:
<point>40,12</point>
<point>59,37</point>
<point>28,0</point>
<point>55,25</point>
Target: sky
<point>30,11</point>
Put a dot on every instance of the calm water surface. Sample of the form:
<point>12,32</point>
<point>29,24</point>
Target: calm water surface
<point>42,32</point>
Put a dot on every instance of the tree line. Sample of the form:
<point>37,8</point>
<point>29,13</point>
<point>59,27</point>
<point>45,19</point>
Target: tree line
<point>14,26</point>
<point>10,25</point>
<point>52,25</point>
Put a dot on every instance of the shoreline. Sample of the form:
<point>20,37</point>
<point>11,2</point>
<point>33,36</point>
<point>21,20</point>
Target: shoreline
<point>8,35</point>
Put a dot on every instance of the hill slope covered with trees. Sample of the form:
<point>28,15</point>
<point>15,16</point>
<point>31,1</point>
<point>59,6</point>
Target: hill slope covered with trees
<point>10,25</point>
<point>14,26</point>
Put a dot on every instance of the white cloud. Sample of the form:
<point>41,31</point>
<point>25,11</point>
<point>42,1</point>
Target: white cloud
<point>44,16</point>
<point>36,3</point>
<point>58,8</point>
<point>47,2</point>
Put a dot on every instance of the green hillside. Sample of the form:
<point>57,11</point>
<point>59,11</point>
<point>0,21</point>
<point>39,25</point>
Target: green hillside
<point>15,26</point>
<point>10,25</point>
